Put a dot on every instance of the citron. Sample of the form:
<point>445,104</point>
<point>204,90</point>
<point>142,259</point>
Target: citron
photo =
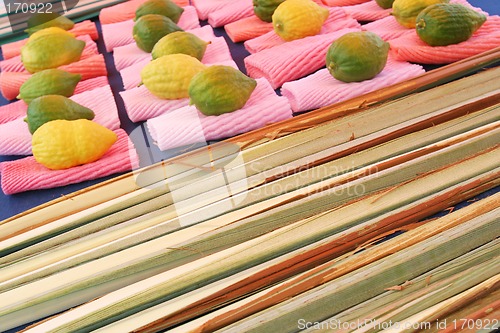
<point>357,56</point>
<point>220,89</point>
<point>51,107</point>
<point>448,23</point>
<point>406,11</point>
<point>41,21</point>
<point>161,7</point>
<point>50,48</point>
<point>386,4</point>
<point>264,9</point>
<point>295,19</point>
<point>62,144</point>
<point>180,42</point>
<point>168,77</point>
<point>49,82</point>
<point>150,28</point>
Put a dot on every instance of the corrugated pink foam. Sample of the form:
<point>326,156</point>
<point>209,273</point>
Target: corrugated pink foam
<point>231,12</point>
<point>292,60</point>
<point>27,174</point>
<point>187,125</point>
<point>141,105</point>
<point>120,33</point>
<point>321,88</point>
<point>411,48</point>
<point>15,138</point>
<point>338,19</point>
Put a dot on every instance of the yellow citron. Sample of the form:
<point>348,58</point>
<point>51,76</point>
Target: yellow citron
<point>62,144</point>
<point>50,48</point>
<point>295,19</point>
<point>168,76</point>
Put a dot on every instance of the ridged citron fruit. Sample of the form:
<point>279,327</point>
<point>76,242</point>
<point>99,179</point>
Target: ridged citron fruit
<point>357,56</point>
<point>62,144</point>
<point>220,89</point>
<point>52,81</point>
<point>448,23</point>
<point>168,77</point>
<point>386,4</point>
<point>150,28</point>
<point>50,48</point>
<point>295,19</point>
<point>51,107</point>
<point>264,9</point>
<point>406,11</point>
<point>166,8</point>
<point>180,42</point>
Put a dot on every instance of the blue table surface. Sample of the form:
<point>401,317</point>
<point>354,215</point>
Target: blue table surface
<point>11,205</point>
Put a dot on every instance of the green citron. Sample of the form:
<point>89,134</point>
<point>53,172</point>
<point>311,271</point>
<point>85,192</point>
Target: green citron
<point>41,21</point>
<point>220,89</point>
<point>161,7</point>
<point>357,56</point>
<point>445,24</point>
<point>150,28</point>
<point>180,42</point>
<point>406,11</point>
<point>168,77</point>
<point>49,82</point>
<point>264,9</point>
<point>386,4</point>
<point>50,48</point>
<point>51,107</point>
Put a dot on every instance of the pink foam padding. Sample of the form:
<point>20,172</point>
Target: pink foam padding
<point>367,11</point>
<point>321,88</point>
<point>127,55</point>
<point>14,110</point>
<point>230,13</point>
<point>217,51</point>
<point>91,67</point>
<point>411,48</point>
<point>247,28</point>
<point>15,64</point>
<point>86,27</point>
<point>387,28</point>
<point>141,105</point>
<point>292,60</point>
<point>187,125</point>
<point>120,33</point>
<point>10,82</point>
<point>126,11</point>
<point>205,7</point>
<point>27,174</point>
<point>120,12</point>
<point>102,102</point>
<point>15,138</point>
<point>337,20</point>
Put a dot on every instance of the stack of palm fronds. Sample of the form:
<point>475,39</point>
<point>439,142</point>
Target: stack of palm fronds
<point>283,229</point>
